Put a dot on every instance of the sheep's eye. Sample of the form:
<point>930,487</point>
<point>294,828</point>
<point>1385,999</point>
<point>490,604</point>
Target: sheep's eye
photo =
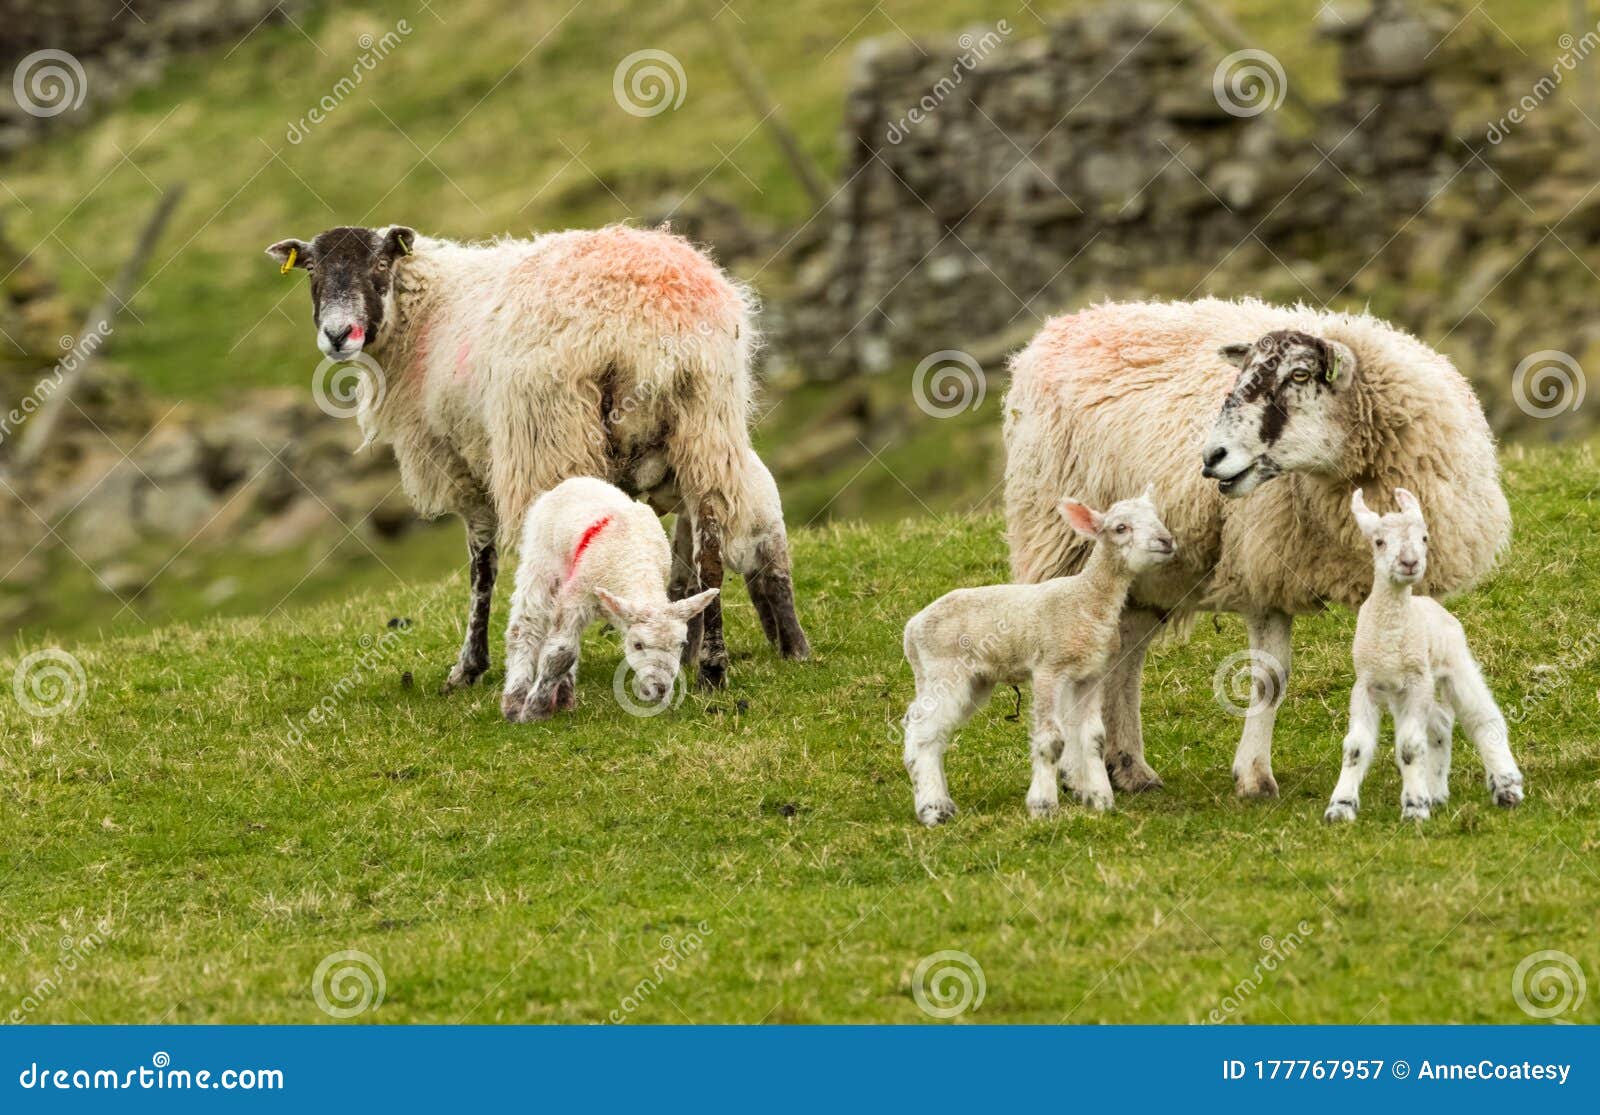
<point>1379,543</point>
<point>1300,375</point>
<point>1424,539</point>
<point>1122,528</point>
<point>638,645</point>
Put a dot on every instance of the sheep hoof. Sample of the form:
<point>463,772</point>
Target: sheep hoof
<point>1097,801</point>
<point>1508,796</point>
<point>1133,776</point>
<point>936,812</point>
<point>1255,785</point>
<point>1340,811</point>
<point>511,705</point>
<point>461,678</point>
<point>713,675</point>
<point>1040,807</point>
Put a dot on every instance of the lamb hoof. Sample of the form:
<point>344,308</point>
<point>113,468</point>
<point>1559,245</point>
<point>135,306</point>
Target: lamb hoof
<point>1255,785</point>
<point>1414,811</point>
<point>1340,811</point>
<point>1507,796</point>
<point>936,812</point>
<point>1133,776</point>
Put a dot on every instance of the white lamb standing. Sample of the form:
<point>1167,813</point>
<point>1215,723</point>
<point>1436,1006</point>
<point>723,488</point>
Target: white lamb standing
<point>1411,656</point>
<point>590,551</point>
<point>1061,634</point>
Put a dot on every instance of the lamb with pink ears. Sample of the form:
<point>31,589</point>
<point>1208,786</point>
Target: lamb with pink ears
<point>1411,656</point>
<point>589,551</point>
<point>1061,634</point>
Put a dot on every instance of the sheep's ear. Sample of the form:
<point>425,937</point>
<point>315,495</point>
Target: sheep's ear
<point>1365,519</point>
<point>617,608</point>
<point>1341,362</point>
<point>1084,519</point>
<point>399,241</point>
<point>1408,502</point>
<point>689,607</point>
<point>1237,353</point>
<point>290,253</point>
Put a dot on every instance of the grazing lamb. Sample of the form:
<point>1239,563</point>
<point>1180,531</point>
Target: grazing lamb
<point>1060,634</point>
<point>1411,656</point>
<point>498,370</point>
<point>1320,400</point>
<point>588,550</point>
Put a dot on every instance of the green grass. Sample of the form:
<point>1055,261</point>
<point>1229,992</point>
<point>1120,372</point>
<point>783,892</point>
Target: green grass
<point>531,873</point>
<point>498,120</point>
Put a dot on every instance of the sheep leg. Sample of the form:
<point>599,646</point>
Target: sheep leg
<point>1411,750</point>
<point>1124,729</point>
<point>1087,735</point>
<point>942,704</point>
<point>1270,654</point>
<point>483,565</point>
<point>1360,745</point>
<point>1441,726</point>
<point>771,586</point>
<point>1046,744</point>
<point>525,636</point>
<point>1485,726</point>
<point>685,581</point>
<point>708,562</point>
<point>558,662</point>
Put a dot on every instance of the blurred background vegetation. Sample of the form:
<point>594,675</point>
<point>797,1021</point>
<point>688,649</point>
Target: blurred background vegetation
<point>486,118</point>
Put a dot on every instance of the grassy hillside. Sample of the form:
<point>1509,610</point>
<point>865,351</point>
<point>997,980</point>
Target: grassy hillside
<point>488,118</point>
<point>215,845</point>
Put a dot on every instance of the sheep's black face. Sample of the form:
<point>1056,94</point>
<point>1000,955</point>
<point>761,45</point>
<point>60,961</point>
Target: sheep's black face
<point>1283,413</point>
<point>352,282</point>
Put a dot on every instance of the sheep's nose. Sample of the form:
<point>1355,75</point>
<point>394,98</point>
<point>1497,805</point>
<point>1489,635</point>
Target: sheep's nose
<point>1213,457</point>
<point>336,337</point>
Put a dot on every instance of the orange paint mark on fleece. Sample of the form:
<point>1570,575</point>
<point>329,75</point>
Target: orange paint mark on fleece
<point>584,541</point>
<point>666,271</point>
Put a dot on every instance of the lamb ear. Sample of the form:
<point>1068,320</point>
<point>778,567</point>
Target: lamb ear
<point>1084,519</point>
<point>1341,362</point>
<point>689,607</point>
<point>1365,519</point>
<point>1408,502</point>
<point>617,608</point>
<point>1237,353</point>
<point>290,253</point>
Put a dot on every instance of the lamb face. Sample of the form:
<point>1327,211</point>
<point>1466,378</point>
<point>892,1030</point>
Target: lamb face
<point>1283,414</point>
<point>653,638</point>
<point>1399,539</point>
<point>1138,538</point>
<point>352,283</point>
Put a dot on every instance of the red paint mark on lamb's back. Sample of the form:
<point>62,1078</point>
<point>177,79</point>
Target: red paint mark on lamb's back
<point>585,540</point>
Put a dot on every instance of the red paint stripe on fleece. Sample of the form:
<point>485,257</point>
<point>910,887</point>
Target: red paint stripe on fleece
<point>584,540</point>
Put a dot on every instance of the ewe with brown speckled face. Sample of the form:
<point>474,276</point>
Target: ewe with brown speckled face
<point>352,284</point>
<point>1283,414</point>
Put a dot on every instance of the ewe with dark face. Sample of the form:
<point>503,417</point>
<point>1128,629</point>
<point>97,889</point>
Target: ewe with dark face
<point>352,287</point>
<point>1285,413</point>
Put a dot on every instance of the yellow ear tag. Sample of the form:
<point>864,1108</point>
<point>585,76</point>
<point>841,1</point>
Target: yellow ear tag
<point>288,263</point>
<point>1333,372</point>
<point>404,247</point>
